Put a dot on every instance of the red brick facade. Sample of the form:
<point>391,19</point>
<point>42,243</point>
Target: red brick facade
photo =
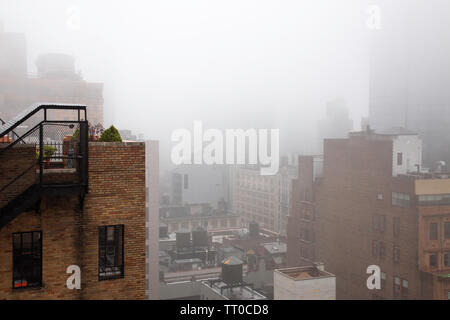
<point>355,225</point>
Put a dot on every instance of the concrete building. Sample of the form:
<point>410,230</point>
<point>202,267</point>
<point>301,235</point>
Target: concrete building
<point>304,283</point>
<point>192,216</point>
<point>55,216</point>
<point>373,205</point>
<point>202,184</point>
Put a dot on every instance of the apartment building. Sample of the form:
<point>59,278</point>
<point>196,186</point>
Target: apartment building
<point>79,207</point>
<point>263,199</point>
<point>373,204</point>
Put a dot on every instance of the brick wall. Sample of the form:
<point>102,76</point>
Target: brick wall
<point>70,236</point>
<point>346,199</point>
<point>13,162</point>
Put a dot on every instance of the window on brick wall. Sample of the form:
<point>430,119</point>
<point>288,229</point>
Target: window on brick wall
<point>447,259</point>
<point>383,280</point>
<point>396,254</point>
<point>111,253</point>
<point>397,286</point>
<point>405,289</point>
<point>447,230</point>
<point>375,248</point>
<point>396,226</point>
<point>382,223</point>
<point>382,250</point>
<point>433,259</point>
<point>433,231</point>
<point>375,223</point>
<point>400,199</point>
<point>27,259</point>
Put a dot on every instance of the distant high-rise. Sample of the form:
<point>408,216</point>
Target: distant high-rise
<point>336,124</point>
<point>55,81</point>
<point>13,55</point>
<point>410,73</point>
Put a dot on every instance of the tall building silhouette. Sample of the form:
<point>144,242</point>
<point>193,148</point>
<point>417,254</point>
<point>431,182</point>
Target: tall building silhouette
<point>410,73</point>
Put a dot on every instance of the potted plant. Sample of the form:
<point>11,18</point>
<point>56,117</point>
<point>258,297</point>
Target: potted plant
<point>48,152</point>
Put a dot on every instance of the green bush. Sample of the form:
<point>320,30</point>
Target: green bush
<point>110,135</point>
<point>48,152</point>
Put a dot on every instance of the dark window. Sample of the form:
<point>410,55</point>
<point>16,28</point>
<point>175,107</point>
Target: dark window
<point>110,254</point>
<point>447,259</point>
<point>383,280</point>
<point>382,250</point>
<point>382,223</point>
<point>399,158</point>
<point>447,230</point>
<point>396,226</point>
<point>433,260</point>
<point>375,223</point>
<point>375,248</point>
<point>27,259</point>
<point>396,254</point>
<point>433,231</point>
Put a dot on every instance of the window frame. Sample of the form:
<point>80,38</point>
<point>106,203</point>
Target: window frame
<point>447,230</point>
<point>446,259</point>
<point>396,258</point>
<point>39,284</point>
<point>433,231</point>
<point>396,226</point>
<point>122,267</point>
<point>435,260</point>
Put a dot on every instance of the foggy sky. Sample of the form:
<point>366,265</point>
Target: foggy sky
<point>230,64</point>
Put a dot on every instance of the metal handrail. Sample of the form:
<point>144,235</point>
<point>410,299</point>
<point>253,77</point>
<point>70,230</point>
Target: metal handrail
<point>18,177</point>
<point>13,132</point>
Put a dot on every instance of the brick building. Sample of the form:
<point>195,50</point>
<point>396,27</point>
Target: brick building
<point>62,217</point>
<point>263,199</point>
<point>373,205</point>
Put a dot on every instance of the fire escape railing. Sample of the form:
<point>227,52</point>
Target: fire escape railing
<point>59,144</point>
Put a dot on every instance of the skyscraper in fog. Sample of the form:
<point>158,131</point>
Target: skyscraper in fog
<point>410,73</point>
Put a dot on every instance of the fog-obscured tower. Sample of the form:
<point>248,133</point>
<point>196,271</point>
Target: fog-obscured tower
<point>336,124</point>
<point>410,73</point>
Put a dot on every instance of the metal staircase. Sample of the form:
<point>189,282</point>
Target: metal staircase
<point>54,160</point>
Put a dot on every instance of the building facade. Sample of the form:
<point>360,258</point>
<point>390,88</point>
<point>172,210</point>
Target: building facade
<point>263,199</point>
<point>102,232</point>
<point>371,207</point>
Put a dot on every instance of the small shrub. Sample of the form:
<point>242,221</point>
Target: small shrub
<point>110,135</point>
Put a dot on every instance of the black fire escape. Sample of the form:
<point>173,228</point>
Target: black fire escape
<point>54,160</point>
